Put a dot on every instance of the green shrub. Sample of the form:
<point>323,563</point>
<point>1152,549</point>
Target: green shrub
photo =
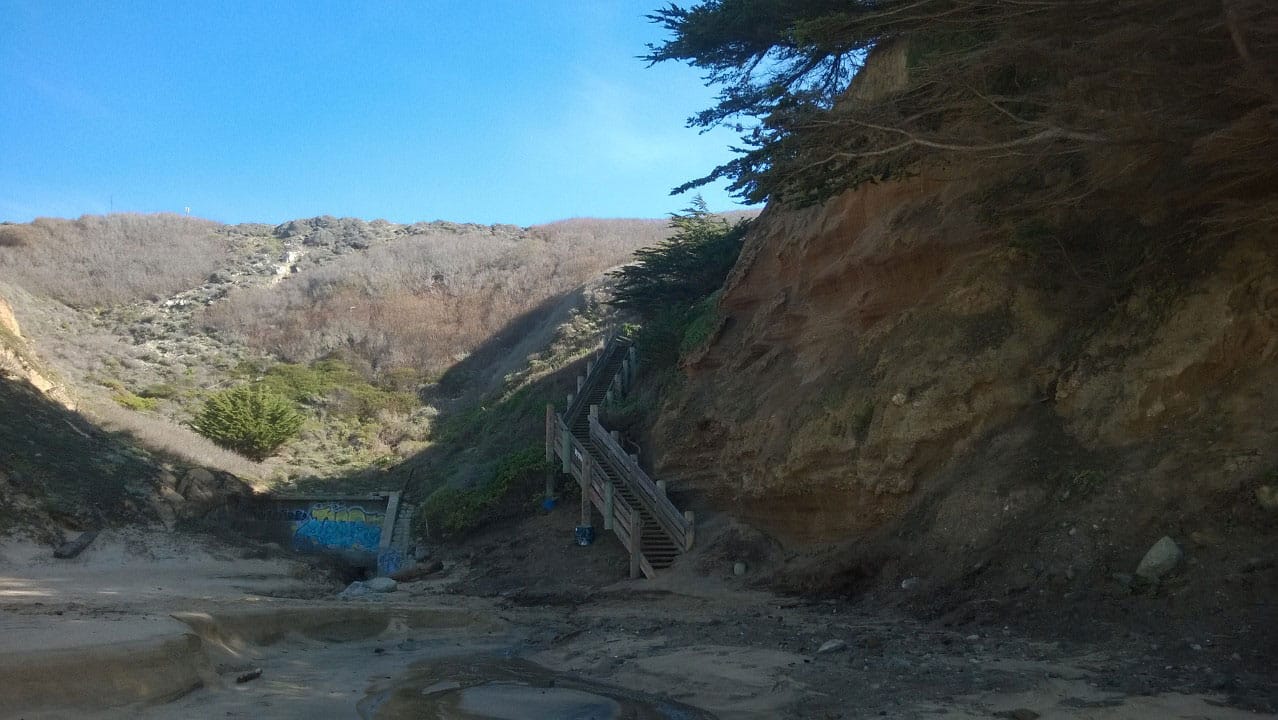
<point>134,402</point>
<point>683,270</point>
<point>451,511</point>
<point>674,286</point>
<point>250,420</point>
<point>338,384</point>
<point>699,324</point>
<point>159,390</point>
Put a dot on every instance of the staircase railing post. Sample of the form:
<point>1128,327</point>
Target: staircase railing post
<point>692,528</point>
<point>608,511</point>
<point>550,451</point>
<point>550,432</point>
<point>636,541</point>
<point>565,447</point>
<point>581,381</point>
<point>585,490</point>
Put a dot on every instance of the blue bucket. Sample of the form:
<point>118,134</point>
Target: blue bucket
<point>585,535</point>
<point>549,504</point>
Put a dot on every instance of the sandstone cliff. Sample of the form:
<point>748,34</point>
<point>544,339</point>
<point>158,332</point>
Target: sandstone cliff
<point>18,362</point>
<point>892,379</point>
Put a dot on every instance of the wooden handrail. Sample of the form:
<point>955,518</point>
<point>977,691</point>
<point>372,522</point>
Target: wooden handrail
<point>594,484</point>
<point>671,520</point>
<point>579,405</point>
<point>624,520</point>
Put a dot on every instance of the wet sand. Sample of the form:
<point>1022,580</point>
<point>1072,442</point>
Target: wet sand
<point>155,625</point>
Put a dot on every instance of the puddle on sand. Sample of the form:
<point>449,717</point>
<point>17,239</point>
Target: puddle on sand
<point>495,688</point>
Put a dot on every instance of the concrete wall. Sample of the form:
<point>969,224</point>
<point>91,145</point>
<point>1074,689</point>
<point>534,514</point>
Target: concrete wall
<point>357,529</point>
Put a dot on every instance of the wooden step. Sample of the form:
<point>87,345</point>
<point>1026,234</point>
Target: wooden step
<point>658,548</point>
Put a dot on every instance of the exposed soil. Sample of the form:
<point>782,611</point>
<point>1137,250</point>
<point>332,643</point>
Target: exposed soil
<point>521,607</point>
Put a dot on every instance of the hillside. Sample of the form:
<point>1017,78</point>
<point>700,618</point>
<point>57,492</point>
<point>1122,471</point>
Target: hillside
<point>975,419</point>
<point>141,317</point>
<point>60,472</point>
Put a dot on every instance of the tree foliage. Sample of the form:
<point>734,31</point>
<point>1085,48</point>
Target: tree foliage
<point>684,269</point>
<point>249,420</point>
<point>1148,99</point>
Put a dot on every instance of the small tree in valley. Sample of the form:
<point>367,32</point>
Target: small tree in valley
<point>249,420</point>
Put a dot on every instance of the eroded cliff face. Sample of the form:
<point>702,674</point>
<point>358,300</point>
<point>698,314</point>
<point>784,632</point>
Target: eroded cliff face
<point>886,367</point>
<point>18,361</point>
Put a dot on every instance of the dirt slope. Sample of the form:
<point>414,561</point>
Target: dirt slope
<point>893,381</point>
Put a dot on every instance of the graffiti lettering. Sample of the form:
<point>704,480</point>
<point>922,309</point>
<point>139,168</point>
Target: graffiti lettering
<point>334,525</point>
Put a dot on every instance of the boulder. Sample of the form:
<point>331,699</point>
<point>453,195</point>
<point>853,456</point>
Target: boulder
<point>356,589</point>
<point>197,485</point>
<point>1161,559</point>
<point>381,585</point>
<point>830,646</point>
<point>72,548</point>
<point>203,490</point>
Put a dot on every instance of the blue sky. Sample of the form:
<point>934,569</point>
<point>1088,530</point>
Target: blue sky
<point>467,110</point>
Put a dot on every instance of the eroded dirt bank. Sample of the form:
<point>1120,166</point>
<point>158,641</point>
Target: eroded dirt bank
<point>515,614</point>
<point>900,387</point>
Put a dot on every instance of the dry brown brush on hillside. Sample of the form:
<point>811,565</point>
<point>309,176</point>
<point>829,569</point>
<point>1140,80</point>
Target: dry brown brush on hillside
<point>429,296</point>
<point>105,260</point>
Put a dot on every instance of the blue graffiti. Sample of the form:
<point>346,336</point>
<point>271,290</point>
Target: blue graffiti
<point>389,561</point>
<point>292,514</point>
<point>333,525</point>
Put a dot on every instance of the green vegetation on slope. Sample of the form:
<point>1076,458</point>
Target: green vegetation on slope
<point>353,321</point>
<point>249,419</point>
<point>450,512</point>
<point>672,287</point>
<point>485,458</point>
<point>336,386</point>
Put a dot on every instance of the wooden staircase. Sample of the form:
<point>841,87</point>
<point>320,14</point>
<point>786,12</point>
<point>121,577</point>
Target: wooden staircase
<point>632,504</point>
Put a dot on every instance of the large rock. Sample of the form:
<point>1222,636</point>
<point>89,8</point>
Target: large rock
<point>204,490</point>
<point>357,589</point>
<point>368,588</point>
<point>830,646</point>
<point>1161,559</point>
<point>197,485</point>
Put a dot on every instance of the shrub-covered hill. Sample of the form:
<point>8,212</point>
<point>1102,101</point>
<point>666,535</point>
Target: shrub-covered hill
<point>144,317</point>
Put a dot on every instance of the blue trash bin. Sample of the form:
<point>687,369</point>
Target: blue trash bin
<point>585,534</point>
